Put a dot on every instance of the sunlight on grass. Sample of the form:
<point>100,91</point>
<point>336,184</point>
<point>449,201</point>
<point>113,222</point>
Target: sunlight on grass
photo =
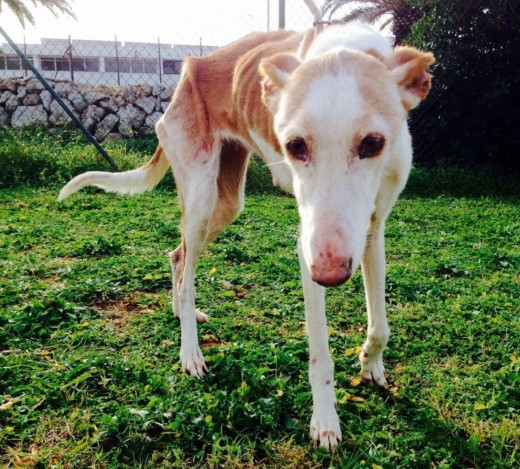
<point>89,347</point>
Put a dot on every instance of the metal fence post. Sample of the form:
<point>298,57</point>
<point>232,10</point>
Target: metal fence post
<point>159,55</point>
<point>281,14</point>
<point>69,50</point>
<point>25,53</point>
<point>268,15</point>
<point>117,62</point>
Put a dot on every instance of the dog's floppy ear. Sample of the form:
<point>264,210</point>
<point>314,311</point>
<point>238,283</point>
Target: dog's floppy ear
<point>275,72</point>
<point>409,68</point>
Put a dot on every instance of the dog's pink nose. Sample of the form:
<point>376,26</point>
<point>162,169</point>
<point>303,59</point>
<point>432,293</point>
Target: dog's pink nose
<point>336,273</point>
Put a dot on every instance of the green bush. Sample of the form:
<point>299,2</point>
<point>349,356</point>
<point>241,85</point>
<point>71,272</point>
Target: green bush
<point>41,157</point>
<point>472,112</point>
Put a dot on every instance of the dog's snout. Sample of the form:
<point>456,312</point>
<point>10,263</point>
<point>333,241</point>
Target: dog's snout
<point>336,273</point>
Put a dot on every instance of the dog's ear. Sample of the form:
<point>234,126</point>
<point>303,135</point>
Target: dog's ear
<point>409,67</point>
<point>275,72</point>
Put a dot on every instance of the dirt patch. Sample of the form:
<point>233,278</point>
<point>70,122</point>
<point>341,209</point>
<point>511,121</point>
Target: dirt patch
<point>118,313</point>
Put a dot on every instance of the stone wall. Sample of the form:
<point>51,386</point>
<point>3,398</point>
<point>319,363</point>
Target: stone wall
<point>108,113</point>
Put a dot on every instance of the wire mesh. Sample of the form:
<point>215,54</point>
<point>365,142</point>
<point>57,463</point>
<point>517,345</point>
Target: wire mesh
<point>120,87</point>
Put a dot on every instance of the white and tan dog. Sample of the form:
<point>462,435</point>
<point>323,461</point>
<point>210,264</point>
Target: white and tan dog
<point>331,109</point>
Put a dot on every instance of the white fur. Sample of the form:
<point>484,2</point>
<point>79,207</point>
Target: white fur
<point>356,36</point>
<point>131,182</point>
<point>341,199</point>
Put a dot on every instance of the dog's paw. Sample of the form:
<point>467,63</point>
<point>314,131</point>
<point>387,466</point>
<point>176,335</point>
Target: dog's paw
<point>325,430</point>
<point>192,362</point>
<point>201,317</point>
<point>372,369</point>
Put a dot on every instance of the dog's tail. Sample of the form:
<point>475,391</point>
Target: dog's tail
<point>135,181</point>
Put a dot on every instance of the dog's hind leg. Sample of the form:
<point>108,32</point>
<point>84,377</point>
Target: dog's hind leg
<point>210,187</point>
<point>230,184</point>
<point>196,172</point>
<point>177,265</point>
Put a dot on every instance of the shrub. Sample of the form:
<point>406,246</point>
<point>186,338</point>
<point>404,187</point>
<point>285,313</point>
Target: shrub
<point>473,110</point>
<point>40,157</point>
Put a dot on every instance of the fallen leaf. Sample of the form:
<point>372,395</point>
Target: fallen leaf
<point>480,406</point>
<point>6,406</point>
<point>353,351</point>
<point>227,285</point>
<point>357,399</point>
<point>355,381</point>
<point>213,271</point>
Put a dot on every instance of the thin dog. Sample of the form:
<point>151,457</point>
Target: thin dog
<point>327,113</point>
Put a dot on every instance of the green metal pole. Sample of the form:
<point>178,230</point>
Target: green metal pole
<point>49,88</point>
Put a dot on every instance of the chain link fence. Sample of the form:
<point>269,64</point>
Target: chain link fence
<point>117,88</point>
<point>121,88</point>
<point>121,63</point>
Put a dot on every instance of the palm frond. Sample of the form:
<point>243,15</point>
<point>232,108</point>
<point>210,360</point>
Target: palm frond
<point>376,14</point>
<point>359,14</point>
<point>23,14</point>
<point>335,5</point>
<point>20,10</point>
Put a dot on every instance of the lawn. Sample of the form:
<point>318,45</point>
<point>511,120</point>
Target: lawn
<point>89,369</point>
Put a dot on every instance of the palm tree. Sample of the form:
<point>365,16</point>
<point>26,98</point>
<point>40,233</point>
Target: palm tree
<point>19,8</point>
<point>401,14</point>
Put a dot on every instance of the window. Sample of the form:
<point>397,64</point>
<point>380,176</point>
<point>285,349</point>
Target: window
<point>110,64</point>
<point>81,64</point>
<point>150,66</point>
<point>62,64</point>
<point>92,65</point>
<point>172,67</point>
<point>115,65</point>
<point>137,65</point>
<point>48,64</point>
<point>12,62</point>
<point>126,65</point>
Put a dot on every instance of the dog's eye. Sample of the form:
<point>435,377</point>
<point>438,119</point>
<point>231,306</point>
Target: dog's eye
<point>371,146</point>
<point>297,148</point>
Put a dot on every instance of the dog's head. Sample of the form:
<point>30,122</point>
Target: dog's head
<point>337,117</point>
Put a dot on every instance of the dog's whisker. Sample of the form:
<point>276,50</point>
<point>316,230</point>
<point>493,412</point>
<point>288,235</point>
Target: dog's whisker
<point>272,164</point>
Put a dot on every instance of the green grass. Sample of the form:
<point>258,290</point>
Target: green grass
<point>89,369</point>
<point>30,157</point>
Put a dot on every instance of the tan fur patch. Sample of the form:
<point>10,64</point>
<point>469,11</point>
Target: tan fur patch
<point>413,76</point>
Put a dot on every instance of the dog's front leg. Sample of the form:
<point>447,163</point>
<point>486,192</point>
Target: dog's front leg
<point>325,429</point>
<point>378,332</point>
